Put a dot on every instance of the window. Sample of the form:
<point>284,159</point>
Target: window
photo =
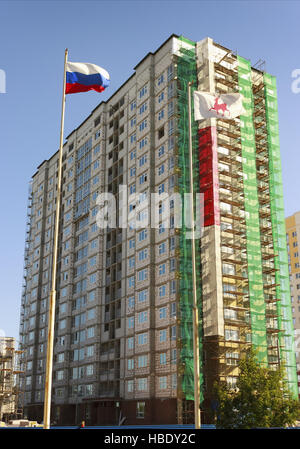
<point>172,264</point>
<point>161,228</point>
<point>162,382</point>
<point>131,281</point>
<point>62,324</point>
<point>130,364</point>
<point>231,334</point>
<point>171,127</point>
<point>90,351</point>
<point>142,295</point>
<point>174,356</point>
<point>130,385</point>
<point>142,275</point>
<point>143,125</point>
<point>162,248</point>
<point>161,97</point>
<point>161,169</point>
<point>142,235</point>
<point>140,410</point>
<point>228,269</point>
<point>231,381</point>
<point>161,114</point>
<point>143,160</point>
<point>143,108</point>
<point>143,178</point>
<point>133,105</point>
<point>91,296</point>
<point>59,392</point>
<point>161,132</point>
<point>143,143</point>
<point>131,262</point>
<point>163,358</point>
<point>89,390</point>
<point>94,244</point>
<point>89,370</point>
<point>130,302</point>
<point>170,90</point>
<point>170,72</point>
<point>173,309</point>
<point>162,313</point>
<point>162,269</point>
<point>161,151</point>
<point>160,79</point>
<point>90,332</point>
<point>230,314</point>
<point>142,384</point>
<point>130,322</point>
<point>142,338</point>
<point>172,243</point>
<point>173,333</point>
<point>97,148</point>
<point>232,358</point>
<point>161,188</point>
<point>91,314</point>
<point>142,361</point>
<point>162,291</point>
<point>130,342</point>
<point>142,317</point>
<point>162,335</point>
<point>170,108</point>
<point>143,91</point>
<point>142,254</point>
<point>93,278</point>
<point>131,243</point>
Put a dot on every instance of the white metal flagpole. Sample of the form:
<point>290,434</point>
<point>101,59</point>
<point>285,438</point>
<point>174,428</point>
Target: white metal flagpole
<point>195,306</point>
<point>51,319</point>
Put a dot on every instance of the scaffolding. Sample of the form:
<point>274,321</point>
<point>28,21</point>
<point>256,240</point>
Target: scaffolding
<point>242,191</point>
<point>282,286</point>
<point>9,370</point>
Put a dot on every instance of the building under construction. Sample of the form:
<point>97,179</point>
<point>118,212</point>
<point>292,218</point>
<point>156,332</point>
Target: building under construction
<point>123,339</point>
<point>9,371</point>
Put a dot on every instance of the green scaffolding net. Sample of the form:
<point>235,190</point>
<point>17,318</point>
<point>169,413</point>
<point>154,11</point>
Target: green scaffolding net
<point>285,320</point>
<point>186,71</point>
<point>253,243</point>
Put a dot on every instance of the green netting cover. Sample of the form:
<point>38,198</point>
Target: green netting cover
<point>285,320</point>
<point>254,259</point>
<point>186,71</point>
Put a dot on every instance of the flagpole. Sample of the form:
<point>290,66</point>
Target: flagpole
<point>51,319</point>
<point>195,305</point>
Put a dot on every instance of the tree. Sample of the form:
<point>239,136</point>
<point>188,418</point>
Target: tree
<point>261,398</point>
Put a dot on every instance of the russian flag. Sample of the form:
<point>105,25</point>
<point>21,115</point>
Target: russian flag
<point>81,77</point>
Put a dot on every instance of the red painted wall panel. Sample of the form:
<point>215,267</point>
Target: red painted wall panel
<point>208,171</point>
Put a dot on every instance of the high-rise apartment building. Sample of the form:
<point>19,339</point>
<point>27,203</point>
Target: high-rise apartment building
<point>123,337</point>
<point>293,244</point>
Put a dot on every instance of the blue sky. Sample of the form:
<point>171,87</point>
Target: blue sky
<point>116,35</point>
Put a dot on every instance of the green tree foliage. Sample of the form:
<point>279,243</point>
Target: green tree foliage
<point>260,399</point>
